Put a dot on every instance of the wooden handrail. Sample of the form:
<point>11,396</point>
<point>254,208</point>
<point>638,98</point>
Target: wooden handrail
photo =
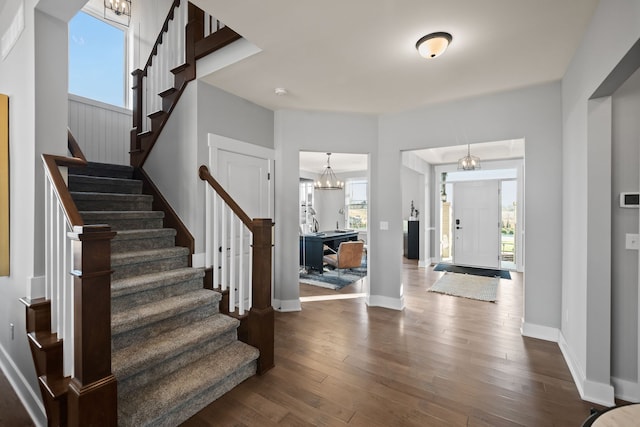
<point>73,146</point>
<point>203,173</point>
<point>52,163</point>
<point>165,25</point>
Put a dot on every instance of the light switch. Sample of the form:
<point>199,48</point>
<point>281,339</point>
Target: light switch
<point>384,225</point>
<point>632,241</point>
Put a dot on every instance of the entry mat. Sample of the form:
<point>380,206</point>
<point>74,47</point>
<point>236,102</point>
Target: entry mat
<point>503,274</point>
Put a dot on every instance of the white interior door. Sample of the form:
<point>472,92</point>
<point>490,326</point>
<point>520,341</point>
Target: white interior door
<point>476,223</point>
<point>247,179</point>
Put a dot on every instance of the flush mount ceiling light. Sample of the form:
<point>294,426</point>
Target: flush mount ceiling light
<point>328,180</point>
<point>433,45</point>
<point>118,11</point>
<point>469,162</point>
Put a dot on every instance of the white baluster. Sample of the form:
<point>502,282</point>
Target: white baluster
<point>224,281</point>
<point>216,241</point>
<point>232,269</point>
<point>47,235</point>
<point>241,281</point>
<point>208,232</point>
<point>250,285</point>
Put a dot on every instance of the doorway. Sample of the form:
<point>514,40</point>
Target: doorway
<point>476,224</point>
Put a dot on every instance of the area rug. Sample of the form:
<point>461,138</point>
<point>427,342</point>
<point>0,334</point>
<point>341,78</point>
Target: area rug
<point>330,279</point>
<point>488,272</point>
<point>467,286</point>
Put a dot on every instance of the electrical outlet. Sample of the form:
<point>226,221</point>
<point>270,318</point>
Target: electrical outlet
<point>631,241</point>
<point>12,331</point>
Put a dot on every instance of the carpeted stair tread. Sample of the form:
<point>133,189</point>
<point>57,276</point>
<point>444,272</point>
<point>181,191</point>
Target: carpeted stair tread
<point>103,169</point>
<point>144,234</point>
<point>143,239</point>
<point>103,184</point>
<point>89,215</point>
<point>125,220</point>
<point>146,282</point>
<point>92,201</point>
<point>129,360</point>
<point>147,255</point>
<point>169,400</point>
<point>147,314</point>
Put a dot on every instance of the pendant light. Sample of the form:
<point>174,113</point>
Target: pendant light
<point>328,180</point>
<point>469,162</point>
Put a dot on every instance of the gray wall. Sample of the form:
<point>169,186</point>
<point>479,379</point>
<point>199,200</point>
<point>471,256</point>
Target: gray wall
<point>586,236</point>
<point>624,262</point>
<point>183,146</point>
<point>533,113</point>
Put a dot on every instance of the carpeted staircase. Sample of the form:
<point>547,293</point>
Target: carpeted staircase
<point>173,353</point>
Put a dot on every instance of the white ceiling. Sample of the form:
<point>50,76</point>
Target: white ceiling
<point>360,56</point>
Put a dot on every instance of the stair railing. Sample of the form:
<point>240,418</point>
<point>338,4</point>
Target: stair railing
<point>188,34</point>
<point>76,381</point>
<point>238,251</point>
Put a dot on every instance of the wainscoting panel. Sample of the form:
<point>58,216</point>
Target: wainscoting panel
<point>102,130</point>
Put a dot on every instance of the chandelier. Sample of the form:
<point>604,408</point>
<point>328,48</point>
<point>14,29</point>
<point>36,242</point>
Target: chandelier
<point>118,11</point>
<point>328,180</point>
<point>469,162</point>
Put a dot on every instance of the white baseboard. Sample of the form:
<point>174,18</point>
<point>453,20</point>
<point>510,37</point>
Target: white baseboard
<point>626,390</point>
<point>385,302</point>
<point>591,391</point>
<point>36,287</point>
<point>540,332</point>
<point>286,306</point>
<point>424,263</point>
<point>198,260</point>
<point>29,397</point>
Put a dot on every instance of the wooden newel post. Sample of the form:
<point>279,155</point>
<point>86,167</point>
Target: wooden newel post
<point>193,33</point>
<point>261,316</point>
<point>137,109</point>
<point>93,395</point>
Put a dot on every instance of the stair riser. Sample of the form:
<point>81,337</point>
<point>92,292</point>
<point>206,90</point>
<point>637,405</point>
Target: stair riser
<point>133,336</point>
<point>189,355</point>
<point>128,224</point>
<point>135,268</point>
<point>110,205</point>
<point>183,412</point>
<point>125,172</point>
<point>129,301</point>
<point>120,246</point>
<point>104,187</point>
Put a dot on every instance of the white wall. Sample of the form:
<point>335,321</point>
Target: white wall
<point>533,113</point>
<point>34,75</point>
<point>101,130</point>
<point>297,131</point>
<point>624,262</point>
<point>586,293</point>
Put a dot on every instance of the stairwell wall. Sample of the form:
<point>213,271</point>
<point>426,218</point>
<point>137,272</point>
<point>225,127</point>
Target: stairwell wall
<point>183,146</point>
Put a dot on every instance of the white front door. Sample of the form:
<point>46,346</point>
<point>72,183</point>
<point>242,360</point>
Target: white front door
<point>476,224</point>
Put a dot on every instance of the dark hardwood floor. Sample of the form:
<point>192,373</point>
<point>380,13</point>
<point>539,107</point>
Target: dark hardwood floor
<point>443,361</point>
<point>12,412</point>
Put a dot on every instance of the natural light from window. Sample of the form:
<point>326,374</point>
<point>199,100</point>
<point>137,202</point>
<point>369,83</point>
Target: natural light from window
<point>96,60</point>
<point>355,193</point>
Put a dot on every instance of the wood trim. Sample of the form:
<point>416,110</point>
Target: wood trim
<point>221,38</point>
<point>165,27</point>
<point>74,148</point>
<point>92,397</point>
<point>261,321</point>
<point>203,173</point>
<point>52,163</point>
<point>184,237</point>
